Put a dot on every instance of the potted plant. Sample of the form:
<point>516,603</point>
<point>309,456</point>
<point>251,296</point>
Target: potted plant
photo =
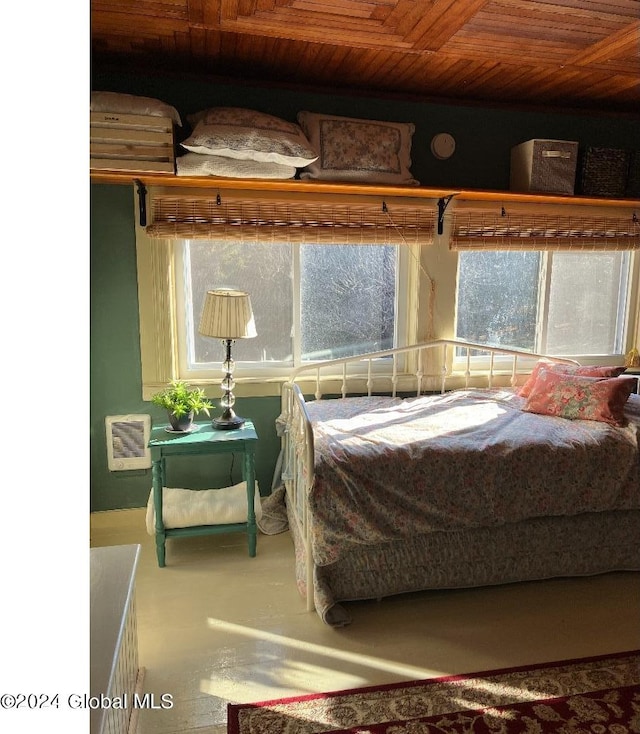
<point>182,403</point>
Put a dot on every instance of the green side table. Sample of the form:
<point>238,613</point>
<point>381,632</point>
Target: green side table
<point>203,440</point>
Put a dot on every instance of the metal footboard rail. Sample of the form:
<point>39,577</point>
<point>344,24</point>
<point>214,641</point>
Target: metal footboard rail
<point>337,370</point>
<point>373,370</point>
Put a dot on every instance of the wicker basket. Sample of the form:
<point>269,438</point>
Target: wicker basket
<point>604,172</point>
<point>632,190</point>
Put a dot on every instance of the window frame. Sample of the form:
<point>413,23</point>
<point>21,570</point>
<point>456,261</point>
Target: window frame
<point>628,319</point>
<point>261,370</point>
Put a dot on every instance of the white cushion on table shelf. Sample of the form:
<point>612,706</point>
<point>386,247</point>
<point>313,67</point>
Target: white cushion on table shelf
<point>183,508</point>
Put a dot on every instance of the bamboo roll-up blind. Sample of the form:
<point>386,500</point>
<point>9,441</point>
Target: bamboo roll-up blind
<point>482,229</point>
<point>308,221</point>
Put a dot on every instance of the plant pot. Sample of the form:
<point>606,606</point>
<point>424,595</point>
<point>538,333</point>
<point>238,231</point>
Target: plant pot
<point>182,423</point>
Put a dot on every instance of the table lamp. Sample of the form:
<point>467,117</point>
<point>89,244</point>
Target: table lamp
<point>227,315</point>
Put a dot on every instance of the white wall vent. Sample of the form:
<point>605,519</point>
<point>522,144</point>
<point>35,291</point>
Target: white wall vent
<point>127,440</point>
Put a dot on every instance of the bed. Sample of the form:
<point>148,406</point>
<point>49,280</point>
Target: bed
<point>430,467</point>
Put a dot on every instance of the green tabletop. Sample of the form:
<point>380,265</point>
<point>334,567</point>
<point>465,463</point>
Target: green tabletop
<point>203,432</point>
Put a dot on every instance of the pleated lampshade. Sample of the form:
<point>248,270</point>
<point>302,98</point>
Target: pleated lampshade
<point>227,314</point>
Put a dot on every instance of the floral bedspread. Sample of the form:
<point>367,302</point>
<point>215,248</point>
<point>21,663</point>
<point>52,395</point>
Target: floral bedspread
<point>387,468</point>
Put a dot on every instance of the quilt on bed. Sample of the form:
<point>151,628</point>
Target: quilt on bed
<point>387,468</point>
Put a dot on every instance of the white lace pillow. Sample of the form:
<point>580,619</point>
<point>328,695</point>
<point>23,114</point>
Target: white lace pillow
<point>358,150</point>
<point>196,164</point>
<point>131,104</point>
<point>234,132</point>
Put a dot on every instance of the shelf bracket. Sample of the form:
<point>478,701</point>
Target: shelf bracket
<point>142,201</point>
<point>443,203</point>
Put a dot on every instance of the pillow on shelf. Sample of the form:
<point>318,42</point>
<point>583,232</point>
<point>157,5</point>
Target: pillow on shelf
<point>196,164</point>
<point>567,369</point>
<point>234,132</point>
<point>580,398</point>
<point>131,104</point>
<point>351,149</point>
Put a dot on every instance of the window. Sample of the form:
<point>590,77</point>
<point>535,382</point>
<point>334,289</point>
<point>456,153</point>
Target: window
<point>325,294</point>
<point>563,303</point>
<point>310,302</point>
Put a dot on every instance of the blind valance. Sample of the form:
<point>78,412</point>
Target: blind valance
<point>572,229</point>
<point>369,220</point>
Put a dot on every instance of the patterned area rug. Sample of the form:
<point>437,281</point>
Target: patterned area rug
<point>598,695</point>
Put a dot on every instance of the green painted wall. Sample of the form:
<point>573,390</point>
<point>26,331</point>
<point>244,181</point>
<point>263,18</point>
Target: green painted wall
<point>484,138</point>
<point>116,384</point>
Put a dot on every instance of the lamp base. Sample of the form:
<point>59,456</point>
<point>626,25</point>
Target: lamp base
<point>228,422</point>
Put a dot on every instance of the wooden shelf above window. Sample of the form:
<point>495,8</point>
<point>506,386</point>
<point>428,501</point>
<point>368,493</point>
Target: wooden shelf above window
<point>293,185</point>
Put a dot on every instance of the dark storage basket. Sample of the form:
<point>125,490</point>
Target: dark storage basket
<point>604,172</point>
<point>632,190</point>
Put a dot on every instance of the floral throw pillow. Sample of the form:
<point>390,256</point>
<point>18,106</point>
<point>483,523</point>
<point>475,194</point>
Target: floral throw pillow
<point>580,398</point>
<point>351,149</point>
<point>567,369</point>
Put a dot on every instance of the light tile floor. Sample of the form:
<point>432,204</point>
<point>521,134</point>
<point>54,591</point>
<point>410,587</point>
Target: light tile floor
<point>216,626</point>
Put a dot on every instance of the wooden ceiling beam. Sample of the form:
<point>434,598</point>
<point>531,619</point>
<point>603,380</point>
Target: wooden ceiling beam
<point>623,43</point>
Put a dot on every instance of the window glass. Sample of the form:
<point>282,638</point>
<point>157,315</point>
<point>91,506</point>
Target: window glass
<point>347,299</point>
<point>570,303</point>
<point>586,303</point>
<point>498,298</point>
<point>263,271</point>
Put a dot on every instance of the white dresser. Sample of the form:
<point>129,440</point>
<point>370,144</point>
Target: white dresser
<point>114,638</point>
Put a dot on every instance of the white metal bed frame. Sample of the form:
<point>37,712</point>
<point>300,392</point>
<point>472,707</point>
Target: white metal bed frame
<point>385,372</point>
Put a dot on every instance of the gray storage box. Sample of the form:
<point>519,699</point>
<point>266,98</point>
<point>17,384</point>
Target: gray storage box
<point>544,166</point>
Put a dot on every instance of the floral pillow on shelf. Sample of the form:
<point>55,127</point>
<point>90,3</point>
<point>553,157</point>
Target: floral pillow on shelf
<point>351,149</point>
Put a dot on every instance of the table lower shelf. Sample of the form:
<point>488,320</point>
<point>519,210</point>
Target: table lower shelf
<point>193,530</point>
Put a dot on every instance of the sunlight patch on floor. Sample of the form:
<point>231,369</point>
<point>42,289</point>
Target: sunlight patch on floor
<point>274,674</point>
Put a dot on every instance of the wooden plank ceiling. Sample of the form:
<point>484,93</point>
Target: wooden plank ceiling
<point>564,54</point>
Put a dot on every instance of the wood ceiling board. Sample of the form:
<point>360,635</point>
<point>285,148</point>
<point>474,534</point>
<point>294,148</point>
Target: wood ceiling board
<point>132,26</point>
<point>357,10</point>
